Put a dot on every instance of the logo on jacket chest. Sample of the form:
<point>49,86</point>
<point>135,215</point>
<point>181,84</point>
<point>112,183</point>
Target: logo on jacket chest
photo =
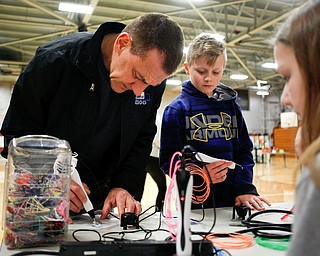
<point>143,99</point>
<point>204,127</point>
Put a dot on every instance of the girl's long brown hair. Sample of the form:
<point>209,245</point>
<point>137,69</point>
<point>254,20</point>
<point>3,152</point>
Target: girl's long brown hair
<point>301,32</point>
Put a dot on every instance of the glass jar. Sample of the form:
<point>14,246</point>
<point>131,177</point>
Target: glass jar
<point>37,191</point>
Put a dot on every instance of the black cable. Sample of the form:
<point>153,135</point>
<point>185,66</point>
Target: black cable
<point>257,231</point>
<point>113,215</point>
<point>149,214</point>
<point>157,229</point>
<point>159,225</point>
<point>249,222</point>
<point>108,235</point>
<point>213,201</point>
<point>214,212</point>
<point>192,156</point>
<point>256,226</point>
<point>202,217</point>
<point>86,230</point>
<point>123,233</point>
<point>147,236</point>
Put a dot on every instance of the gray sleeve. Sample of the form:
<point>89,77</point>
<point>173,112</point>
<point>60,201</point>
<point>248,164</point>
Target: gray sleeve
<point>306,235</point>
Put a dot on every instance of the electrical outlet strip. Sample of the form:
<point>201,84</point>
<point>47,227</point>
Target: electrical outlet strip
<point>127,247</point>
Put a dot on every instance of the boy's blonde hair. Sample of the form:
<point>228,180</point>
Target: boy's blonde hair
<point>206,44</point>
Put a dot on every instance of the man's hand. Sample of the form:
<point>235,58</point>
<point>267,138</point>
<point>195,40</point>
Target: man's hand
<point>218,170</point>
<point>252,201</point>
<point>121,199</point>
<point>77,196</point>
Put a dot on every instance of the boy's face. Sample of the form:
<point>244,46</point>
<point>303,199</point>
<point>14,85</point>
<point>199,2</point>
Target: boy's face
<point>203,76</point>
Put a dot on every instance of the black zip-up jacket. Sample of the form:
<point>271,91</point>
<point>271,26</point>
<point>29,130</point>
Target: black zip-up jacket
<point>60,93</point>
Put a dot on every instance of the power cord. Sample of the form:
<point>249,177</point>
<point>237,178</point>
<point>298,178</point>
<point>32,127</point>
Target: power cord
<point>256,226</point>
<point>121,234</point>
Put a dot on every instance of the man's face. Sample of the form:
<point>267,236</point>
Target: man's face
<point>131,72</point>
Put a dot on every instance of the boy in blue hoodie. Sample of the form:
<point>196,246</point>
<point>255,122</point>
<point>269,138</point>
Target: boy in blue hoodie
<point>207,117</point>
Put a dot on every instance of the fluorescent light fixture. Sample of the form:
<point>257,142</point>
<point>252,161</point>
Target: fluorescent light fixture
<point>269,65</point>
<point>173,82</point>
<point>238,77</point>
<point>262,93</point>
<point>260,82</point>
<point>78,8</point>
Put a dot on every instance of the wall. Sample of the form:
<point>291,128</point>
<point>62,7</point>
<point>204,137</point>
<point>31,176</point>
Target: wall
<point>254,116</point>
<point>5,95</point>
<point>264,113</point>
<point>284,139</point>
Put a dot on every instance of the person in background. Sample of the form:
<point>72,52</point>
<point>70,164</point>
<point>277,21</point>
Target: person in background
<point>153,168</point>
<point>100,92</point>
<point>206,117</point>
<point>297,53</point>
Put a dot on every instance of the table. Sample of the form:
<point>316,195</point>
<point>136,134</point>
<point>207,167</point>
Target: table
<point>224,216</point>
<point>266,157</point>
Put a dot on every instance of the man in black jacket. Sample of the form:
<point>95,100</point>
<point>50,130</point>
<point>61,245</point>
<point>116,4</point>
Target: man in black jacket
<point>100,92</point>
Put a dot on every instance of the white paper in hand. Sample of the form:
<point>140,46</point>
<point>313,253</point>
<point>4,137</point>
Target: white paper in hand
<point>208,159</point>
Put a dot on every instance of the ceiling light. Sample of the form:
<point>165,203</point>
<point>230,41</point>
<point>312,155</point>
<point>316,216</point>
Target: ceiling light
<point>260,82</point>
<point>173,82</point>
<point>269,65</point>
<point>238,77</point>
<point>79,8</point>
<point>262,93</point>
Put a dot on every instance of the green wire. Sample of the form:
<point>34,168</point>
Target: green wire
<point>280,244</point>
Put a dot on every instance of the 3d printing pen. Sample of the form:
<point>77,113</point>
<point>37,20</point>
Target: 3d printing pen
<point>184,183</point>
<point>76,177</point>
<point>208,159</point>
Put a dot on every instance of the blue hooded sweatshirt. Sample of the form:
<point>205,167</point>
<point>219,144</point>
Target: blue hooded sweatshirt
<point>214,126</point>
